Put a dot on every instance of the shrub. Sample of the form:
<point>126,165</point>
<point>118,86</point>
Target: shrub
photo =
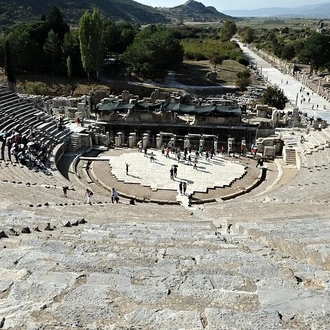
<point>242,60</point>
<point>35,88</point>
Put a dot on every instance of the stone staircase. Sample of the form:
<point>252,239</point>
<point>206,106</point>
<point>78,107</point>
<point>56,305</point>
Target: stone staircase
<point>291,157</point>
<point>73,145</point>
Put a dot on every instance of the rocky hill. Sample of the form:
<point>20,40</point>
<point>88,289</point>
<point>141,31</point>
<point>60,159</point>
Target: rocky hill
<point>16,11</point>
<point>194,11</point>
<point>319,10</point>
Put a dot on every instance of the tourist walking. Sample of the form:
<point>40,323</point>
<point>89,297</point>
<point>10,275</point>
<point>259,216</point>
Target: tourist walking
<point>3,146</point>
<point>175,170</point>
<point>195,164</point>
<point>89,195</point>
<point>260,162</point>
<point>180,187</point>
<point>127,166</point>
<point>114,196</point>
<point>207,156</point>
<point>9,146</point>
<point>172,173</point>
<point>65,191</point>
<point>184,187</point>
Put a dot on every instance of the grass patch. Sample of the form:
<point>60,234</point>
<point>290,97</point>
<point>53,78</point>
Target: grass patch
<point>35,88</point>
<point>194,73</point>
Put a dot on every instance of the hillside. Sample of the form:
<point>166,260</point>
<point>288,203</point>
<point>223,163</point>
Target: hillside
<point>17,11</point>
<point>320,10</point>
<point>194,11</point>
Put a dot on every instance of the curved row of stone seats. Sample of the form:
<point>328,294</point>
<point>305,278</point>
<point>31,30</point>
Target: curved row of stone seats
<point>318,160</point>
<point>300,196</point>
<point>171,274</point>
<point>304,239</point>
<point>322,137</point>
<point>28,187</point>
<point>22,107</point>
<point>9,101</point>
<point>5,93</point>
<point>19,108</point>
<point>22,112</point>
<point>8,124</point>
<point>11,172</point>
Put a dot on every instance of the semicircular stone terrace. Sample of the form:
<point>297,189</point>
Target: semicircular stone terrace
<point>155,173</point>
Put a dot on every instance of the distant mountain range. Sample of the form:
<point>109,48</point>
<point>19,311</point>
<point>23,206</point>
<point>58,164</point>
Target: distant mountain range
<point>16,11</point>
<point>320,10</point>
<point>193,11</point>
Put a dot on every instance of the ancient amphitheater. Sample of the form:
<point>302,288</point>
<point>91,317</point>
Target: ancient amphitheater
<point>256,261</point>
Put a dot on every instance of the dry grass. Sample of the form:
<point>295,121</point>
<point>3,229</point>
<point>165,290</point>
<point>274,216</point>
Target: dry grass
<point>193,73</point>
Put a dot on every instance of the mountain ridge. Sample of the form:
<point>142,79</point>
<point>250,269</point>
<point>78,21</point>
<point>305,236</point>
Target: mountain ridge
<point>319,10</point>
<point>17,11</point>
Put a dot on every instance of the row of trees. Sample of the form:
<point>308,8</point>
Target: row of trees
<point>49,46</point>
<point>299,45</point>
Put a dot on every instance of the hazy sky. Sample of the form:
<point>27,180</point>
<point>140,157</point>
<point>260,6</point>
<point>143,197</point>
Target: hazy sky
<point>221,5</point>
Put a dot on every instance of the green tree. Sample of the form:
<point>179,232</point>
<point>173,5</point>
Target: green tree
<point>71,48</point>
<point>274,97</point>
<point>56,23</point>
<point>243,79</point>
<point>153,52</point>
<point>118,36</point>
<point>91,41</point>
<point>288,52</point>
<point>228,30</point>
<point>247,35</point>
<point>216,59</point>
<point>25,50</point>
<point>316,52</point>
<point>52,50</point>
<point>9,68</point>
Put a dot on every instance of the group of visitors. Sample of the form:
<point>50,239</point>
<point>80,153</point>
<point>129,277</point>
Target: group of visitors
<point>27,150</point>
<point>89,195</point>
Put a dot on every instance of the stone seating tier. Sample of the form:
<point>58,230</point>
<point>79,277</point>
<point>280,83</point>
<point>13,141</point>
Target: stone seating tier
<point>154,266</point>
<point>175,273</point>
<point>11,110</point>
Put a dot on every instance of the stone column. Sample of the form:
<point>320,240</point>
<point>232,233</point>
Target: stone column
<point>172,140</point>
<point>107,141</point>
<point>215,144</point>
<point>145,140</point>
<point>186,141</point>
<point>47,107</point>
<point>230,145</point>
<point>81,107</point>
<point>243,146</point>
<point>132,140</point>
<point>119,139</point>
<point>159,141</point>
<point>201,143</point>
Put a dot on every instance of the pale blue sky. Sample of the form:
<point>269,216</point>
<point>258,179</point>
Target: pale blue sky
<point>221,5</point>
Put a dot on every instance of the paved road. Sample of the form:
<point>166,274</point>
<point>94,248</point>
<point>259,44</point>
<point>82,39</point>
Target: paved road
<point>317,107</point>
